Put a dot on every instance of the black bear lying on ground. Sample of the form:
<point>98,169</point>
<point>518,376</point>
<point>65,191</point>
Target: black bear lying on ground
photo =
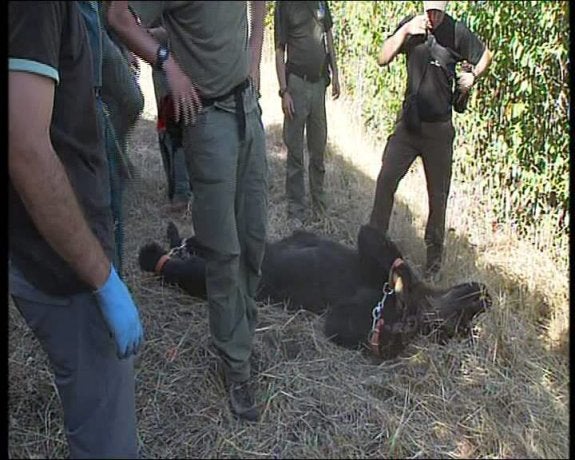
<point>370,295</point>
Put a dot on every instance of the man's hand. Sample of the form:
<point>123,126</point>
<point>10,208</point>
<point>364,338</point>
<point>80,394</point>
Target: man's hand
<point>287,105</point>
<point>335,89</point>
<point>418,25</point>
<point>121,315</point>
<point>465,81</point>
<point>186,99</point>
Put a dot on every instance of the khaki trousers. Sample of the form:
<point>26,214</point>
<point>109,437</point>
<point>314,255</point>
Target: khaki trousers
<point>309,106</point>
<point>229,180</point>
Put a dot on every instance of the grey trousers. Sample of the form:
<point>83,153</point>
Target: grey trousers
<point>96,388</point>
<point>435,146</point>
<point>121,93</point>
<point>309,106</point>
<point>229,182</point>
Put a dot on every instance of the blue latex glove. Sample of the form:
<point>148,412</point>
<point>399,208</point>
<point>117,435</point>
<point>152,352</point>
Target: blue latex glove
<point>121,315</point>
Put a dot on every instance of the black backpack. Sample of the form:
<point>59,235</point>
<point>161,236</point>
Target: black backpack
<point>446,57</point>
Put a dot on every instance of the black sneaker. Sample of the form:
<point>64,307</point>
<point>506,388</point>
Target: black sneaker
<point>242,401</point>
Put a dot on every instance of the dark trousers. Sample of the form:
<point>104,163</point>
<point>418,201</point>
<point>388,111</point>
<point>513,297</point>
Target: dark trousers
<point>95,387</point>
<point>435,146</point>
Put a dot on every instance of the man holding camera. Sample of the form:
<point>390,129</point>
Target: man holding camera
<point>433,44</point>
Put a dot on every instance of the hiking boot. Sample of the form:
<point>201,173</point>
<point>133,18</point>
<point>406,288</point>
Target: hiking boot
<point>242,401</point>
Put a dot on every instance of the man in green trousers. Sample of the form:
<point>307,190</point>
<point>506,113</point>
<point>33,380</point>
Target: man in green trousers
<point>303,29</point>
<point>212,69</point>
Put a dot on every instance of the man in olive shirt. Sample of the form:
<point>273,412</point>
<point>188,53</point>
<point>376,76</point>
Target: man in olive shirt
<point>212,69</point>
<point>304,29</point>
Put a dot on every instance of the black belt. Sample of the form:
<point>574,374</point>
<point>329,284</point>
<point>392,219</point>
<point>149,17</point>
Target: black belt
<point>238,93</point>
<point>304,76</point>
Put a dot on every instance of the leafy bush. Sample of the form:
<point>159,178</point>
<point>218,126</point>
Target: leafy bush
<point>516,127</point>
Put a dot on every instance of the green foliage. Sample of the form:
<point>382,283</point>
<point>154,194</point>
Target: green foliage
<point>269,18</point>
<point>522,107</point>
<point>516,128</point>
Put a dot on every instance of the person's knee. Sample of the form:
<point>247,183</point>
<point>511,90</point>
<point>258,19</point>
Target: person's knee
<point>387,183</point>
<point>438,200</point>
<point>317,162</point>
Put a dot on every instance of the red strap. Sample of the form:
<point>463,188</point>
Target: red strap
<point>165,112</point>
<point>396,263</point>
<point>375,335</point>
<point>160,265</point>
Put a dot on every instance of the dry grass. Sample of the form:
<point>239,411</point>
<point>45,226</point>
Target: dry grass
<point>502,394</point>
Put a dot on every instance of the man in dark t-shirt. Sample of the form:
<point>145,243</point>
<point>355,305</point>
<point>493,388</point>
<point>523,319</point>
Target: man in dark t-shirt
<point>60,230</point>
<point>303,29</point>
<point>433,44</point>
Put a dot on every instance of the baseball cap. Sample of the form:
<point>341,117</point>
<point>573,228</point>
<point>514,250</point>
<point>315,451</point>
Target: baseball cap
<point>434,5</point>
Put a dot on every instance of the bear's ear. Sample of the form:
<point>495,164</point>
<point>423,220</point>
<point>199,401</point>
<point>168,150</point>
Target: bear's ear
<point>173,235</point>
<point>403,280</point>
<point>376,254</point>
<point>396,281</point>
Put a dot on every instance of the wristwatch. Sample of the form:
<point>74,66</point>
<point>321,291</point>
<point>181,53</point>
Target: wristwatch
<point>162,56</point>
<point>282,91</point>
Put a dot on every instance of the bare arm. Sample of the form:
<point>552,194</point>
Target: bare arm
<point>483,63</point>
<point>257,15</point>
<point>391,46</point>
<point>467,79</point>
<point>41,181</point>
<point>281,66</point>
<point>186,99</point>
<point>287,101</point>
<point>135,37</point>
<point>335,89</point>
<point>331,51</point>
